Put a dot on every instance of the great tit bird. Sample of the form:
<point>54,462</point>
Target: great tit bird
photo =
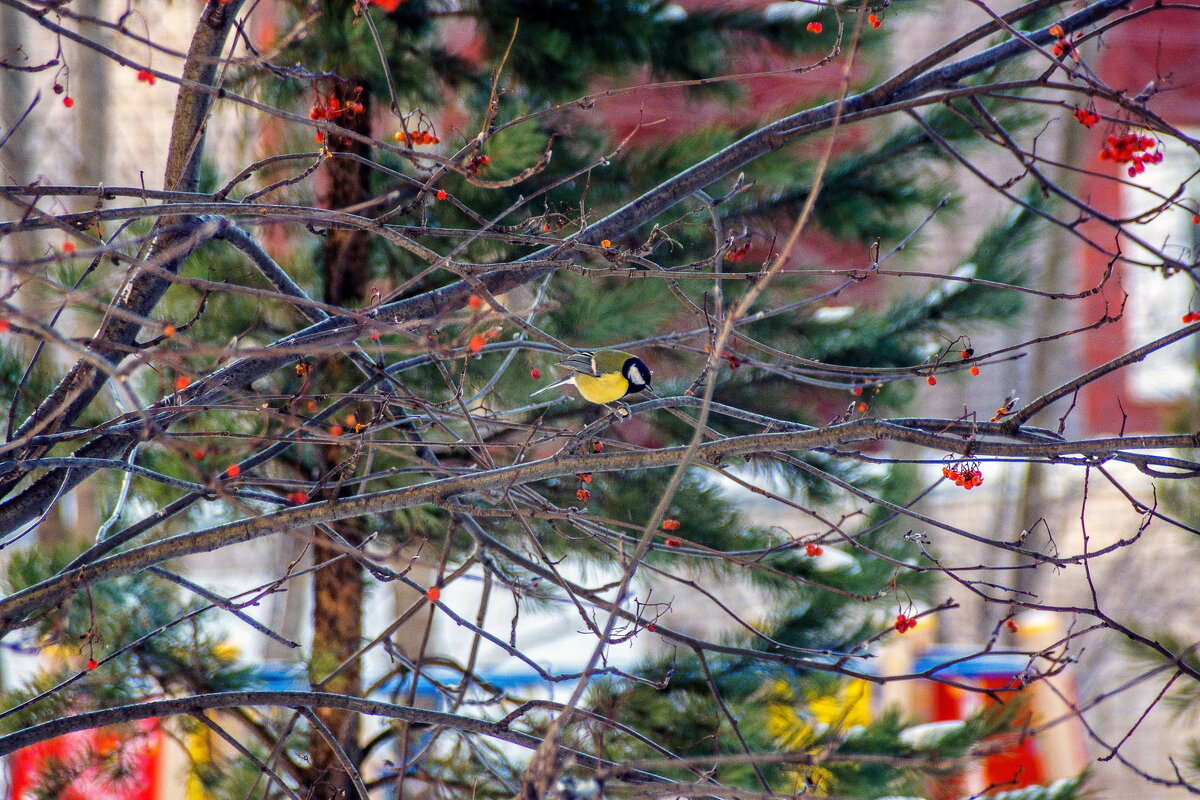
<point>604,376</point>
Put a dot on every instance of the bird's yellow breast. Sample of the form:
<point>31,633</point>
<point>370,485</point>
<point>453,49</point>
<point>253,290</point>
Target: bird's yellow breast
<point>605,389</point>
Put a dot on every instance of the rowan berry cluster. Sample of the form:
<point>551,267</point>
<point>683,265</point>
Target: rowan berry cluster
<point>813,550</point>
<point>415,138</point>
<point>1062,46</point>
<point>1133,150</point>
<point>965,474</point>
<point>333,108</point>
<point>737,254</point>
<point>904,624</point>
<point>1086,117</point>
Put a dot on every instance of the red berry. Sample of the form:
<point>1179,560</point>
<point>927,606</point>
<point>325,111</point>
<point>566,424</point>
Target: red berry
<point>441,194</point>
<point>198,454</point>
<point>586,477</point>
<point>650,628</point>
<point>433,594</point>
<point>584,495</point>
<point>597,447</point>
<point>477,342</point>
<point>146,76</point>
<point>535,373</point>
<point>974,370</point>
<point>68,101</point>
<point>475,302</point>
<point>814,27</point>
<point>932,381</point>
<point>674,542</point>
<point>92,663</point>
<point>670,524</point>
<point>813,550</point>
<point>4,326</point>
<point>233,471</point>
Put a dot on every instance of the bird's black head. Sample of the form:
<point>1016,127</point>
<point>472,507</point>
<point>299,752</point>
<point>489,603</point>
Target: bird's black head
<point>637,373</point>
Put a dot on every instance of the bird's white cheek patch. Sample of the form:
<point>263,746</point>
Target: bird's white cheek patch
<point>636,377</point>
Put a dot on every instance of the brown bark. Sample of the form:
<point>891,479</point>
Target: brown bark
<point>338,587</point>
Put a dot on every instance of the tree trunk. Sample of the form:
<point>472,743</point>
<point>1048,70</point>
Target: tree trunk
<point>338,587</point>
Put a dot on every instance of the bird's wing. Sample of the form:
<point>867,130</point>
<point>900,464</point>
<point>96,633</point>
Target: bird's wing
<point>584,361</point>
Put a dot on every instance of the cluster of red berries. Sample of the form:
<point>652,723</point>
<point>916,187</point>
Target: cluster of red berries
<point>1190,317</point>
<point>1133,150</point>
<point>814,27</point>
<point>734,361</point>
<point>146,76</point>
<point>476,163</point>
<point>478,340</point>
<point>334,109</point>
<point>904,624</point>
<point>965,474</point>
<point>1086,117</point>
<point>813,550</point>
<point>68,101</point>
<point>875,21</point>
<point>416,138</point>
<point>736,254</point>
<point>1063,46</point>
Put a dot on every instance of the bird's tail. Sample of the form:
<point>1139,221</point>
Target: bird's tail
<point>568,381</point>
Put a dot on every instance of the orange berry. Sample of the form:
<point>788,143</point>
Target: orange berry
<point>605,243</point>
<point>586,477</point>
<point>69,248</point>
<point>336,430</point>
<point>168,330</point>
<point>1011,625</point>
<point>477,342</point>
<point>182,382</point>
<point>856,391</point>
<point>198,454</point>
<point>475,302</point>
<point>1196,219</point>
<point>974,370</point>
<point>298,498</point>
<point>1057,30</point>
<point>597,447</point>
<point>232,471</point>
<point>670,524</point>
<point>433,594</point>
<point>861,408</point>
<point>814,27</point>
<point>441,194</point>
<point>875,21</point>
<point>584,495</point>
